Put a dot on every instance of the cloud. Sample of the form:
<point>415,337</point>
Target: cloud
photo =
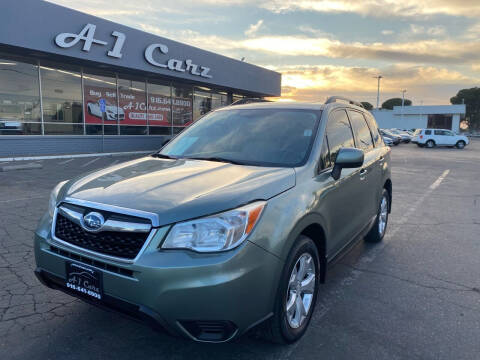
<point>379,8</point>
<point>253,28</point>
<point>425,51</point>
<point>438,30</point>
<point>434,51</point>
<point>315,83</point>
<point>387,32</point>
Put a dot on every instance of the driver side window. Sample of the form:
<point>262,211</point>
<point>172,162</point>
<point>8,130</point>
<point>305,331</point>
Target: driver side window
<point>339,133</point>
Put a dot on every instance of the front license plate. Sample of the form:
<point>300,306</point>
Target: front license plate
<point>84,280</point>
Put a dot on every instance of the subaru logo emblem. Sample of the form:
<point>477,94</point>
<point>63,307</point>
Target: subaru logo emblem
<point>93,221</point>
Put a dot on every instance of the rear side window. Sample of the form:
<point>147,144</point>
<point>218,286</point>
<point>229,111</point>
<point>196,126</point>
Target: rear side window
<point>372,124</point>
<point>339,133</point>
<point>363,137</point>
<point>428,132</point>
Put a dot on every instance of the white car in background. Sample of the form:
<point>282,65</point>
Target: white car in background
<point>111,111</point>
<point>439,137</point>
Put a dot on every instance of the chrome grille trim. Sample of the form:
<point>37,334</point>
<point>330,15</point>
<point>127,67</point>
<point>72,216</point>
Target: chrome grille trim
<point>86,252</point>
<point>115,209</point>
<point>110,225</point>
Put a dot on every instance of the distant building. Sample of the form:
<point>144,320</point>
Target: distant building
<point>415,117</point>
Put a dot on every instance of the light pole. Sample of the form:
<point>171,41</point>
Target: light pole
<point>378,90</point>
<point>403,102</point>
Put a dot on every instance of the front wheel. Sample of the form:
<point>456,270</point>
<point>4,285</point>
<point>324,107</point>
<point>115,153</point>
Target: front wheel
<point>460,144</point>
<point>296,295</point>
<point>377,232</point>
<point>430,144</point>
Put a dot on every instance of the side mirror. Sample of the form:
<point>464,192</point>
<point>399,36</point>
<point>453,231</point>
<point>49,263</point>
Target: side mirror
<point>347,158</point>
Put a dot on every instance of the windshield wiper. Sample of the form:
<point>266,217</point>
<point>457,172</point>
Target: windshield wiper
<point>217,159</point>
<point>163,156</point>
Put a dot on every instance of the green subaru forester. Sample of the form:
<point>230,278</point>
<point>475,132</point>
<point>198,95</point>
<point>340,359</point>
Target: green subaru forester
<point>229,226</point>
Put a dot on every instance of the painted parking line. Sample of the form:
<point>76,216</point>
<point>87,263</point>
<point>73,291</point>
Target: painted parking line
<point>115,162</point>
<point>90,162</point>
<point>65,162</point>
<point>366,259</point>
<point>439,180</point>
<point>25,198</point>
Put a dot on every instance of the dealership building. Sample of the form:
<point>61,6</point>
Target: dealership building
<point>421,117</point>
<point>75,83</point>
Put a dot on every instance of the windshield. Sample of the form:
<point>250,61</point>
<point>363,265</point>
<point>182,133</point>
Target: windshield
<point>262,137</point>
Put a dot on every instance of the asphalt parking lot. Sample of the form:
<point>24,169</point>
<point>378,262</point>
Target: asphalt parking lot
<point>414,296</point>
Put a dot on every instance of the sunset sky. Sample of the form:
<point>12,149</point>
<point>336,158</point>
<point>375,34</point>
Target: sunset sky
<point>431,48</point>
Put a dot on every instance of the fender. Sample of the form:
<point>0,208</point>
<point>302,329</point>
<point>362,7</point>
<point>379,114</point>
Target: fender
<point>300,226</point>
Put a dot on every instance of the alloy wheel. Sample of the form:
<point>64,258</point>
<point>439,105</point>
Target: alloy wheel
<point>301,288</point>
<point>383,216</point>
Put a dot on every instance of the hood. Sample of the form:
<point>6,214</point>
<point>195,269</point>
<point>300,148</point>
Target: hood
<point>178,190</point>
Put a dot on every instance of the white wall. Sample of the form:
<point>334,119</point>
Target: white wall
<point>416,117</point>
<point>386,119</point>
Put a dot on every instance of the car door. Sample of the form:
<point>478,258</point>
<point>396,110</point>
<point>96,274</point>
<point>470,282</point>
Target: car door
<point>450,138</point>
<point>439,137</point>
<point>368,181</point>
<point>339,199</point>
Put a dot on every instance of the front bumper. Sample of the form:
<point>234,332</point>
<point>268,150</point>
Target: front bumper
<point>175,289</point>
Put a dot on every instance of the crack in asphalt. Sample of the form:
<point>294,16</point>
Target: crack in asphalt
<point>412,282</point>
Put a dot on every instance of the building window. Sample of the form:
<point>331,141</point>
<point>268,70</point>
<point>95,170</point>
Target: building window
<point>202,103</point>
<point>132,100</point>
<point>19,98</point>
<point>159,109</point>
<point>62,101</point>
<point>101,104</point>
<point>219,100</point>
<point>440,121</point>
<point>182,109</point>
<point>205,101</point>
<point>236,97</point>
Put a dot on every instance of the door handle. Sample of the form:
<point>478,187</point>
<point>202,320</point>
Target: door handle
<point>381,158</point>
<point>363,172</point>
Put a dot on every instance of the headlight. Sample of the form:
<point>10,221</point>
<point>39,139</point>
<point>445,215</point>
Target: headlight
<point>52,203</point>
<point>219,232</point>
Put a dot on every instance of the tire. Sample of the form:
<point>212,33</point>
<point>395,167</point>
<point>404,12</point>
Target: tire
<point>430,144</point>
<point>377,232</point>
<point>460,144</point>
<point>282,328</point>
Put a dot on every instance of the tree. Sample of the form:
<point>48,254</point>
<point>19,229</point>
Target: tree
<point>367,105</point>
<point>471,98</point>
<point>390,103</point>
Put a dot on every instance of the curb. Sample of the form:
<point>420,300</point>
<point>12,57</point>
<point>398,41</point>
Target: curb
<point>73,156</point>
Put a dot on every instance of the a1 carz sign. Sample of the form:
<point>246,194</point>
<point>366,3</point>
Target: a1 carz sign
<point>131,108</point>
<point>152,53</point>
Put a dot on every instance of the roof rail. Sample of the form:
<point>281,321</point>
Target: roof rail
<point>248,101</point>
<point>333,99</point>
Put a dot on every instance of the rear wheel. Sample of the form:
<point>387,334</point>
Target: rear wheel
<point>296,295</point>
<point>430,144</point>
<point>460,144</point>
<point>377,232</point>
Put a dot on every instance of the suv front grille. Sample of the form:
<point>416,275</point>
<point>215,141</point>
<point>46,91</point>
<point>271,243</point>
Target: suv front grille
<point>119,244</point>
